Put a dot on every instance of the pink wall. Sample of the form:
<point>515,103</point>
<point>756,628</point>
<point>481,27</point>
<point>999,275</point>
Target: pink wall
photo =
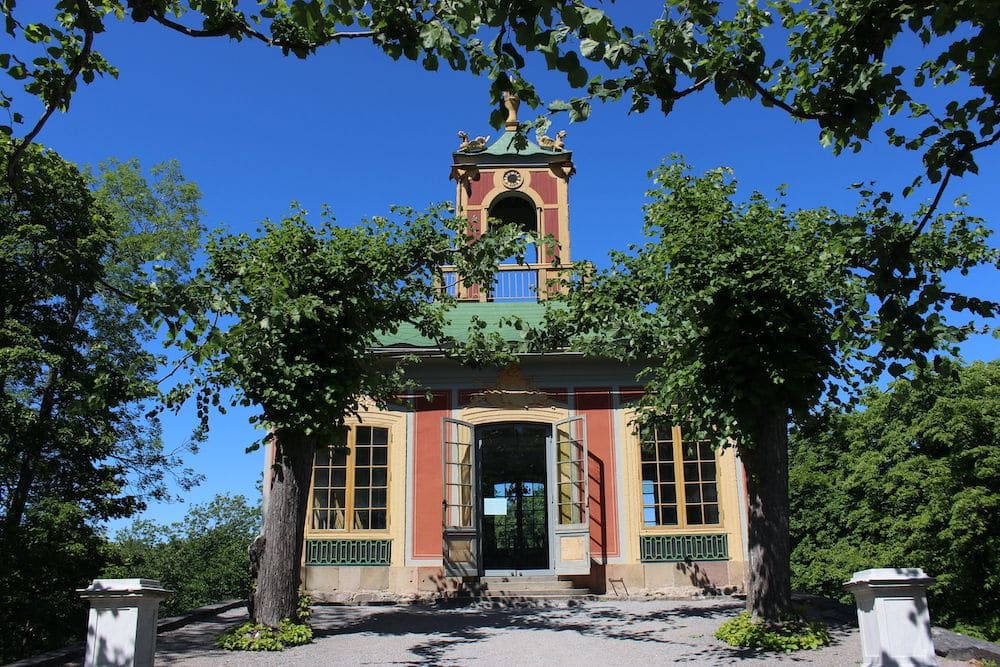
<point>427,492</point>
<point>544,183</point>
<point>596,404</point>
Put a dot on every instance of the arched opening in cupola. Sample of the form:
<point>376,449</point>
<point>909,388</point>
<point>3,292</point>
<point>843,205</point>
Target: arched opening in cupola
<point>516,209</point>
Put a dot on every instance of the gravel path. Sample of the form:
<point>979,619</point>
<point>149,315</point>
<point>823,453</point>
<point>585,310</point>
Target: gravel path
<point>602,632</point>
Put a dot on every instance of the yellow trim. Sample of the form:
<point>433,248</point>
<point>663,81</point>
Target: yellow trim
<point>395,507</point>
<point>676,439</point>
<point>729,514</point>
<point>487,415</point>
<point>562,199</point>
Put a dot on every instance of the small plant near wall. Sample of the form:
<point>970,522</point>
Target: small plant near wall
<point>259,637</point>
<point>792,634</point>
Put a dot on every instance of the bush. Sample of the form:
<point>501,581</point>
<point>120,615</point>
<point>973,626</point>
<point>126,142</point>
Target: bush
<point>913,480</point>
<point>203,558</point>
<point>794,634</point>
<point>257,637</point>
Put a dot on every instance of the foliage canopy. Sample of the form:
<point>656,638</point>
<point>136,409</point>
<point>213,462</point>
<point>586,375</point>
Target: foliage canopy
<point>912,480</point>
<point>740,305</point>
<point>850,66</point>
<point>203,558</point>
<point>744,315</point>
<point>76,444</point>
<point>290,320</point>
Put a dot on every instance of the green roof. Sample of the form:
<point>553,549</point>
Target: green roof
<point>460,318</point>
<point>505,145</point>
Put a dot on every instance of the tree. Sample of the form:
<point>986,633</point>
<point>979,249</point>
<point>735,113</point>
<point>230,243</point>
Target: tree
<point>288,320</point>
<point>75,444</point>
<point>747,315</point>
<point>846,65</point>
<point>912,480</point>
<point>203,558</point>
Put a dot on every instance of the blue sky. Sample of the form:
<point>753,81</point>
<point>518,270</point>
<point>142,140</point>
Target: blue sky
<point>354,129</point>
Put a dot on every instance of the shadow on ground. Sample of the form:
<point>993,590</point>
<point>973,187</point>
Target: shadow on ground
<point>451,635</point>
<point>438,631</point>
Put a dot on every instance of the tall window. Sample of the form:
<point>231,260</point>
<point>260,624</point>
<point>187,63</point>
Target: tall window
<point>679,479</point>
<point>351,487</point>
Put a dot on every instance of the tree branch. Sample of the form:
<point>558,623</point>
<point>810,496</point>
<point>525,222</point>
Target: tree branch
<point>693,89</point>
<point>244,29</point>
<point>788,108</point>
<point>62,96</point>
<point>183,360</point>
<point>192,32</point>
<point>944,183</point>
<point>933,207</point>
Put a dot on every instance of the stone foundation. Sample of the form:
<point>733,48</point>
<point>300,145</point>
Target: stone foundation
<point>373,584</point>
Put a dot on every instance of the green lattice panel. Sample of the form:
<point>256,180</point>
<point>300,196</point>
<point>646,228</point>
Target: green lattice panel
<point>670,548</point>
<point>348,552</point>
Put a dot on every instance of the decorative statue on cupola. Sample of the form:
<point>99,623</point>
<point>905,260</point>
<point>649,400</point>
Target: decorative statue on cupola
<point>550,144</point>
<point>471,145</point>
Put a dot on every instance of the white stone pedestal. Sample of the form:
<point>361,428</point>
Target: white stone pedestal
<point>121,631</point>
<point>893,617</point>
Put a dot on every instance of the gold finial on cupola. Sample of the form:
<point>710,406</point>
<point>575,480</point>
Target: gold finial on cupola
<point>512,102</point>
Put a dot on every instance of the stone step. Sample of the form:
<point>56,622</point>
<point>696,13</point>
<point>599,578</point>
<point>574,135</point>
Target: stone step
<point>531,592</point>
<point>522,598</point>
<point>523,583</point>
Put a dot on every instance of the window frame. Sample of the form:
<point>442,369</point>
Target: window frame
<point>679,481</point>
<point>350,486</point>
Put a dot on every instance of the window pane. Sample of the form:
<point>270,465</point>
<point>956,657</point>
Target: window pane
<point>668,494</point>
<point>363,435</point>
<point>338,498</point>
<point>708,471</point>
<point>362,456</point>
<point>690,472</point>
<point>694,514</point>
<point>711,514</point>
<point>649,516</point>
<point>361,499</point>
<point>649,472</point>
<point>362,477</point>
<point>380,477</point>
<point>378,497</point>
<point>668,516</point>
<point>319,519</point>
<point>338,477</point>
<point>337,519</point>
<point>378,519</point>
<point>666,450</point>
<point>322,477</point>
<point>666,472</point>
<point>380,456</point>
<point>323,456</point>
<point>380,436</point>
<point>710,492</point>
<point>361,520</point>
<point>321,499</point>
<point>707,452</point>
<point>692,493</point>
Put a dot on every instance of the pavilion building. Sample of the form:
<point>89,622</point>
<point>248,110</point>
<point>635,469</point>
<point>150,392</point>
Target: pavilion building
<point>535,470</point>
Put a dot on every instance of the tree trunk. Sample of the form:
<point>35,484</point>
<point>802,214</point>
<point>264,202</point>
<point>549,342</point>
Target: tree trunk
<point>769,589</point>
<point>276,595</point>
<point>34,446</point>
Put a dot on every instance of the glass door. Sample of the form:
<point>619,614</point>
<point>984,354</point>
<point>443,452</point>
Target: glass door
<point>514,497</point>
<point>460,548</point>
<point>569,496</point>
